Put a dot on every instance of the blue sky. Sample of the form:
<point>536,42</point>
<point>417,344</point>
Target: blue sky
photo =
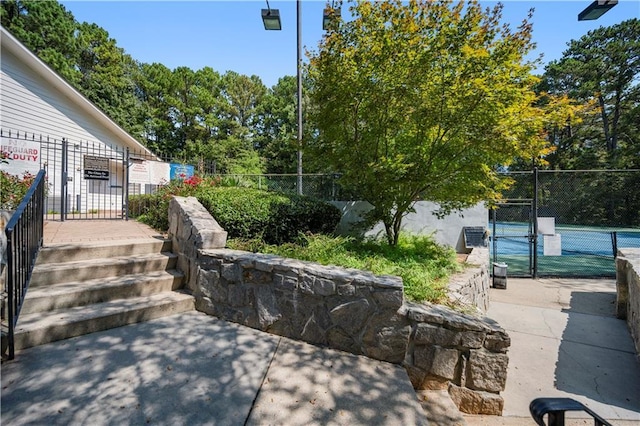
<point>229,35</point>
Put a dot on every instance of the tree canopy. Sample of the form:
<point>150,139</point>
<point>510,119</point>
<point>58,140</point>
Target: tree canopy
<point>601,69</point>
<point>424,100</point>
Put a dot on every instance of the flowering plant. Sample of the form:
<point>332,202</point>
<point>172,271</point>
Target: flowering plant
<point>13,189</point>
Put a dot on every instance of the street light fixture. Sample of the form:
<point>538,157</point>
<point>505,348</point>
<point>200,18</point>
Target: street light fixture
<point>328,15</point>
<point>596,9</point>
<point>271,18</point>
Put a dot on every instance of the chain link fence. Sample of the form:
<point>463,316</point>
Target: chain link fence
<point>593,212</point>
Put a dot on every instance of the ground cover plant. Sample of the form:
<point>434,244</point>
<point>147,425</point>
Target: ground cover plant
<point>423,265</point>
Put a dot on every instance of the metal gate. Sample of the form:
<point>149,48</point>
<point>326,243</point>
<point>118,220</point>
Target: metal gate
<point>87,180</point>
<point>566,223</point>
<point>513,236</point>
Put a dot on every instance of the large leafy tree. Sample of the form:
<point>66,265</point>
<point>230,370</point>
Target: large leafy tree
<point>107,76</point>
<point>277,138</point>
<point>46,28</point>
<point>602,67</point>
<point>423,100</point>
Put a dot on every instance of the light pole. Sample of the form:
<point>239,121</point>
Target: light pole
<point>271,20</point>
<point>299,89</point>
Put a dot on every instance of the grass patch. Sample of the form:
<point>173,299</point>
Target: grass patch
<point>423,265</point>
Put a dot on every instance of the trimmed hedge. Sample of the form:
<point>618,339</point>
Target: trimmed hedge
<point>274,218</point>
<point>247,213</point>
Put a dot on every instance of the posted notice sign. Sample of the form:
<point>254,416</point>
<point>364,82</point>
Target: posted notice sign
<point>96,168</point>
<point>22,156</point>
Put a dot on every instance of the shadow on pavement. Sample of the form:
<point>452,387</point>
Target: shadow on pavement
<point>596,356</point>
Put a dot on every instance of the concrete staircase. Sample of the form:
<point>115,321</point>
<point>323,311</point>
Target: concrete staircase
<point>80,289</point>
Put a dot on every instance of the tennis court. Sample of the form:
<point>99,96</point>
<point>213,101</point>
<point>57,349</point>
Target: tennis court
<point>585,251</point>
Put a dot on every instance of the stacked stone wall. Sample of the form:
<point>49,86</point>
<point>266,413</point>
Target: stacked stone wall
<point>354,311</point>
<point>470,288</point>
<point>628,291</point>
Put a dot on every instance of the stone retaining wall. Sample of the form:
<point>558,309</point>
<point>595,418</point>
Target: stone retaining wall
<point>628,291</point>
<point>345,309</point>
<point>470,288</point>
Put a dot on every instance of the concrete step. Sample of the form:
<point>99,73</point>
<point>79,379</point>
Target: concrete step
<point>68,295</point>
<point>83,270</point>
<point>75,252</point>
<point>37,329</point>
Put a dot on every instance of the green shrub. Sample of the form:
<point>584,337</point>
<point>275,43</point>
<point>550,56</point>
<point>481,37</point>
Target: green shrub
<point>242,212</point>
<point>272,217</point>
<point>153,209</point>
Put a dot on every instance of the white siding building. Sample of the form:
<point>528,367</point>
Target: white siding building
<point>38,111</point>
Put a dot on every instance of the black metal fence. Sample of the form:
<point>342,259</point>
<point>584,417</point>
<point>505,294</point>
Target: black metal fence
<point>24,239</point>
<point>567,223</point>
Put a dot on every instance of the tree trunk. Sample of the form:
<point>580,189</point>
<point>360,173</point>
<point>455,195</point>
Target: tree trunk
<point>605,121</point>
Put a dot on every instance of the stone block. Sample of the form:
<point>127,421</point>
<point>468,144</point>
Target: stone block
<point>497,342</point>
<point>387,282</point>
<point>486,371</point>
<point>212,239</point>
<point>388,299</point>
<point>339,339</point>
<point>230,272</point>
<point>209,285</point>
<point>351,316</point>
<point>239,295</point>
<point>285,281</point>
<point>471,339</point>
<point>324,287</point>
<point>313,331</point>
<point>386,337</point>
<point>253,276</point>
<point>345,290</point>
<point>431,382</point>
<point>444,362</point>
<point>306,283</point>
<point>266,307</point>
<point>423,356</point>
<point>476,402</point>
<point>434,335</point>
<point>459,321</point>
<point>425,313</point>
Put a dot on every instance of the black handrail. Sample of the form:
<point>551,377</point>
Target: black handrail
<point>24,239</point>
<point>554,409</point>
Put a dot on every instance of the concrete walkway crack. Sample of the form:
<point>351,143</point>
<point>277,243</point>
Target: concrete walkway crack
<point>266,371</point>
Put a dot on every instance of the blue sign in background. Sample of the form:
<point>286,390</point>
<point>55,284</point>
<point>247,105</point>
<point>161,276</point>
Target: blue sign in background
<point>180,171</point>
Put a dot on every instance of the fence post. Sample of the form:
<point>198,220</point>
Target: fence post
<point>125,183</point>
<point>63,186</point>
<point>535,223</point>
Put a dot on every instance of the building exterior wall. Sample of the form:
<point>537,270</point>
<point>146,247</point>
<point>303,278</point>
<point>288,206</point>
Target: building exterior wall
<point>447,231</point>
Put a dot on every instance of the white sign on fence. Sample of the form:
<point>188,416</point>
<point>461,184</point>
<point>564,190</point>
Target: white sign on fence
<point>547,225</point>
<point>139,172</point>
<point>22,156</point>
<point>552,245</point>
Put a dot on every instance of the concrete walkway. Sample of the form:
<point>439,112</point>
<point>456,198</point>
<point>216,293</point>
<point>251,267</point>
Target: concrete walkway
<point>566,342</point>
<point>195,369</point>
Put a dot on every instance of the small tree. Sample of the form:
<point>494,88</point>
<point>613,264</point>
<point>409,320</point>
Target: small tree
<point>423,100</point>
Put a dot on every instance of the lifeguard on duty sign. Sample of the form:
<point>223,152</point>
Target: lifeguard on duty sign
<point>96,168</point>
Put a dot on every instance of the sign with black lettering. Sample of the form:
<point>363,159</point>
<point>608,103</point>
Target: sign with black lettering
<point>96,168</point>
